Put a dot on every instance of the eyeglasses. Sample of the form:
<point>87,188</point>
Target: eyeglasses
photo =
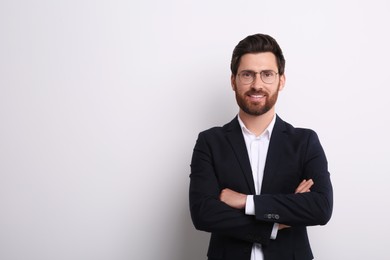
<point>249,76</point>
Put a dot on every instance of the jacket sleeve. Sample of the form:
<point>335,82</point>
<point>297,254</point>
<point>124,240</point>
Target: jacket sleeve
<point>303,209</point>
<point>208,213</point>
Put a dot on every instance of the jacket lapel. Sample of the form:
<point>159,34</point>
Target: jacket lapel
<point>236,140</point>
<point>275,149</point>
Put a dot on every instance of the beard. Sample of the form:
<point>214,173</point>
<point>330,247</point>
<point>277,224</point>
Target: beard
<point>256,108</point>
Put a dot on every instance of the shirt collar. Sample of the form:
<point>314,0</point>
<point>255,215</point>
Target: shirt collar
<point>267,132</point>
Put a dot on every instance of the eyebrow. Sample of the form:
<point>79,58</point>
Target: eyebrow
<point>256,71</point>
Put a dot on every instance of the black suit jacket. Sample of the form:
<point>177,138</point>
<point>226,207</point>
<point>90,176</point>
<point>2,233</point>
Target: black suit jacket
<point>220,160</point>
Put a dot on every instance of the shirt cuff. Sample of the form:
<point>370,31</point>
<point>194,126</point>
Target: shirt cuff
<point>249,205</point>
<point>274,232</point>
<point>250,210</point>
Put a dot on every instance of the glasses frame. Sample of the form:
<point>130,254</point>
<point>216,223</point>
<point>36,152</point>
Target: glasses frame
<point>254,73</point>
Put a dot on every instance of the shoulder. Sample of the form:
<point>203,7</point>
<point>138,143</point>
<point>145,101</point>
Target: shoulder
<point>293,132</point>
<point>221,130</point>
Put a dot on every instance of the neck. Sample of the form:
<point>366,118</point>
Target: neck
<point>257,124</point>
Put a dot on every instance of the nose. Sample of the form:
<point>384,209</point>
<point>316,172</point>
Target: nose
<point>257,82</point>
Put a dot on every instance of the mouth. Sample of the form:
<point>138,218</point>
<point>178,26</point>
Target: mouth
<point>256,97</point>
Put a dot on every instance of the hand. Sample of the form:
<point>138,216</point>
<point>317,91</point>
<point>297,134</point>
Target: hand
<point>233,199</point>
<point>304,186</point>
<point>282,226</point>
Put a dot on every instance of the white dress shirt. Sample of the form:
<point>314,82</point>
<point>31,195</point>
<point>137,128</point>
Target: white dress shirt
<point>257,147</point>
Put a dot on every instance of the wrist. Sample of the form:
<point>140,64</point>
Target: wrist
<point>243,201</point>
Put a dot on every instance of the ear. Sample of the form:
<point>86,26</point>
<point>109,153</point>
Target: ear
<point>282,82</point>
<point>233,82</point>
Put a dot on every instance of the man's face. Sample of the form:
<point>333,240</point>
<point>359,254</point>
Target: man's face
<point>257,97</point>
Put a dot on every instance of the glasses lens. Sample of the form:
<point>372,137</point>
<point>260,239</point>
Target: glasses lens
<point>268,76</point>
<point>246,77</point>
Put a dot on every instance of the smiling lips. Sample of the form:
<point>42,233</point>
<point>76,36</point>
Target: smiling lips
<point>256,97</point>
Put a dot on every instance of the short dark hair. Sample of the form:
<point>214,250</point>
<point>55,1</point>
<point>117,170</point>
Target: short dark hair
<point>257,43</point>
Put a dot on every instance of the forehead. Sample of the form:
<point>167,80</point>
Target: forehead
<point>258,61</point>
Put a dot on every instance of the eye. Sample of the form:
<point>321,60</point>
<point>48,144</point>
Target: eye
<point>268,73</point>
<point>246,74</point>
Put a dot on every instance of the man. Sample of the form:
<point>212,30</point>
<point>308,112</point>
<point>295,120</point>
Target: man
<point>257,182</point>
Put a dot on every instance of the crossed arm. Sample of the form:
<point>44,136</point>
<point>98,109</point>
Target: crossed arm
<point>238,200</point>
<point>220,211</point>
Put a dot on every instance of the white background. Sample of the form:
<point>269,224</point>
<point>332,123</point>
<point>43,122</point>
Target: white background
<point>101,103</point>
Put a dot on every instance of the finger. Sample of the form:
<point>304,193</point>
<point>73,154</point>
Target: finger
<point>222,195</point>
<point>307,186</point>
<point>300,186</point>
<point>304,186</point>
<point>310,183</point>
